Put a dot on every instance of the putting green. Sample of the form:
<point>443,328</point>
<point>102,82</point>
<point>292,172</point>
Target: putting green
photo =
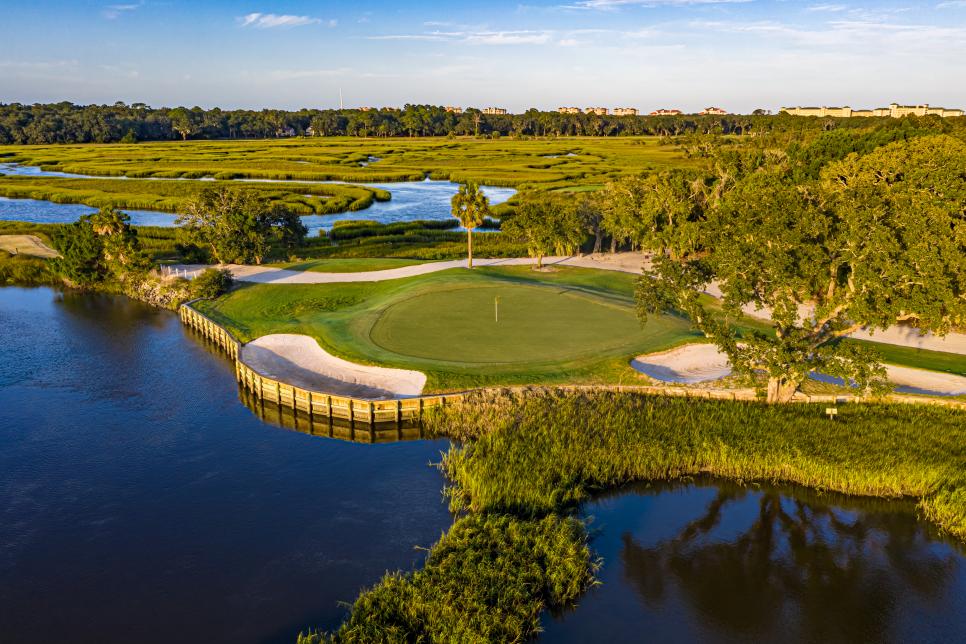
<point>536,324</point>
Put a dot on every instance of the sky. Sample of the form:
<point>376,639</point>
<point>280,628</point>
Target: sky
<point>684,54</point>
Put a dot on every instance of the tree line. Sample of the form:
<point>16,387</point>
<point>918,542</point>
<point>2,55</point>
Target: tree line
<point>66,122</point>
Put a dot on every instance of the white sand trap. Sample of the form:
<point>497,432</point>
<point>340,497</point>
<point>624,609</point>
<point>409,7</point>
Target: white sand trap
<point>693,363</point>
<point>299,360</point>
<point>927,381</point>
<point>688,364</point>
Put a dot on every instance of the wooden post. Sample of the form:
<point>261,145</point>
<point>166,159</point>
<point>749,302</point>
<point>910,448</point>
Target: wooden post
<point>372,413</point>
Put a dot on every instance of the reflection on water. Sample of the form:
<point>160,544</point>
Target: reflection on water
<point>723,562</point>
<point>140,502</point>
<point>326,426</point>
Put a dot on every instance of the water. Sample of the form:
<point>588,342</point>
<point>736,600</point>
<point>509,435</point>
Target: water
<point>48,212</point>
<point>141,501</point>
<point>411,201</point>
<point>718,562</point>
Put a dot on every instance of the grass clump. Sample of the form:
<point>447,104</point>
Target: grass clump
<point>545,451</point>
<point>487,580</point>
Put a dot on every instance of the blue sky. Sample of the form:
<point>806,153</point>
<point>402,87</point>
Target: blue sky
<point>689,54</point>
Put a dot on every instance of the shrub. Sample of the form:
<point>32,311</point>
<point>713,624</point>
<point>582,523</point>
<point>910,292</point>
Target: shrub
<point>212,282</point>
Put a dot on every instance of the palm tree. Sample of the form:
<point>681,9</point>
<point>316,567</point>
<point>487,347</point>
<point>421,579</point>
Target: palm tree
<point>471,207</point>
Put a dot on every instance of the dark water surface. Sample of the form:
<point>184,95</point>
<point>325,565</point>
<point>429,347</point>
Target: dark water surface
<point>719,562</point>
<point>140,501</point>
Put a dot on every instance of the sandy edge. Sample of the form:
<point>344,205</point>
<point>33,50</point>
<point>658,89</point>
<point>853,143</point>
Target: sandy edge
<point>694,363</point>
<point>27,245</point>
<point>299,360</point>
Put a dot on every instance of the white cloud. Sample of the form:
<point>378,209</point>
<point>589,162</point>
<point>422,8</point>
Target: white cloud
<point>114,11</point>
<point>827,8</point>
<point>952,4</point>
<point>518,37</point>
<point>273,20</point>
<point>606,5</point>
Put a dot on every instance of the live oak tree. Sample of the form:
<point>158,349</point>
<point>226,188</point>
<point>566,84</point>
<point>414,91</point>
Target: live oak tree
<point>471,207</point>
<point>546,226</point>
<point>879,239</point>
<point>238,225</point>
<point>653,211</point>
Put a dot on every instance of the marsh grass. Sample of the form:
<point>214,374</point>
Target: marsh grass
<point>486,580</point>
<point>171,196</point>
<point>545,451</point>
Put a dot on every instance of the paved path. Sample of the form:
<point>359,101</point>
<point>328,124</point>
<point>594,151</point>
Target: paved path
<point>622,262</point>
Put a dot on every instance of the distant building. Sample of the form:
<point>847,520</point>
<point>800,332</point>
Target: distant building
<point>713,111</point>
<point>494,110</point>
<point>454,110</point>
<point>366,109</point>
<point>569,110</point>
<point>285,131</point>
<point>310,131</point>
<point>894,110</point>
<point>666,112</point>
<point>599,111</point>
<point>625,111</point>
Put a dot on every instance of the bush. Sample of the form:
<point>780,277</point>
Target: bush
<point>487,580</point>
<point>212,282</point>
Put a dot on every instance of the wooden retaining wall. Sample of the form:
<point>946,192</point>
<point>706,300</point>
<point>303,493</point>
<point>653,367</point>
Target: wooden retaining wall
<point>311,403</point>
<point>372,412</point>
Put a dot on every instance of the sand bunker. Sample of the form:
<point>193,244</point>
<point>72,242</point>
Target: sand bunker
<point>299,360</point>
<point>26,245</point>
<point>689,364</point>
<point>693,363</point>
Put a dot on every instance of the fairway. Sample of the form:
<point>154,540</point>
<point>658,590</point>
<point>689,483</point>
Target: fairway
<point>536,323</point>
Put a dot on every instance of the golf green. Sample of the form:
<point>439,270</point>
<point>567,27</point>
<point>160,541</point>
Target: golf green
<point>505,323</point>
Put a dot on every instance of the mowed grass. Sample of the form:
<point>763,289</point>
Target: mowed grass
<point>544,164</point>
<point>554,333</point>
<point>509,323</point>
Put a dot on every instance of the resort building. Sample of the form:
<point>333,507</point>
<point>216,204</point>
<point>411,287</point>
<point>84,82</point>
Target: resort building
<point>599,111</point>
<point>569,110</point>
<point>494,110</point>
<point>712,111</point>
<point>894,110</point>
<point>454,110</point>
<point>666,112</point>
<point>625,111</point>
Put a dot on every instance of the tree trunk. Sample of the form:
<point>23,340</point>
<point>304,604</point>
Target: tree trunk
<point>781,390</point>
<point>539,262</point>
<point>469,246</point>
<point>613,245</point>
<point>597,240</point>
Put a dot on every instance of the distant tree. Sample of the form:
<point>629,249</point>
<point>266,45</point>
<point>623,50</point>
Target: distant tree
<point>182,122</point>
<point>238,225</point>
<point>879,239</point>
<point>589,209</point>
<point>546,226</point>
<point>472,208</point>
